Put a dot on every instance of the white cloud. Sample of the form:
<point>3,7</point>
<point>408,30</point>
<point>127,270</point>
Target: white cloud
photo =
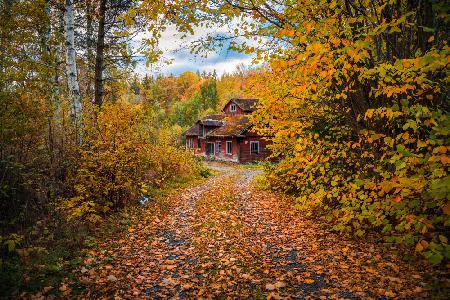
<point>176,48</point>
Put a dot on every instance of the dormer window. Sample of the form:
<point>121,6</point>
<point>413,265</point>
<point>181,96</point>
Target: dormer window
<point>233,107</point>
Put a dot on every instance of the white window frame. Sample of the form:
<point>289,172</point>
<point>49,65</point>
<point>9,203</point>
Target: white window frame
<point>231,148</point>
<point>254,143</point>
<point>189,143</point>
<point>213,145</point>
<point>218,147</point>
<point>233,107</point>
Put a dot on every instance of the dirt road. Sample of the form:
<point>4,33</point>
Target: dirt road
<point>226,239</point>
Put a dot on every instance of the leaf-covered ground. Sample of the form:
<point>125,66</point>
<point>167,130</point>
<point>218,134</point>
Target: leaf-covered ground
<point>226,239</point>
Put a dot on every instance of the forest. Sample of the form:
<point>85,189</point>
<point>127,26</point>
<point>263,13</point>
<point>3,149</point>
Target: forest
<point>353,97</point>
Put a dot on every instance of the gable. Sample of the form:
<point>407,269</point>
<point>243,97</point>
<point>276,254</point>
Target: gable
<point>241,106</point>
<point>247,105</point>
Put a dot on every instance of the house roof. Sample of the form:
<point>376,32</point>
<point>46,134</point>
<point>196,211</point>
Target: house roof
<point>247,105</point>
<point>226,125</point>
<point>212,120</point>
<point>193,130</point>
<point>232,126</point>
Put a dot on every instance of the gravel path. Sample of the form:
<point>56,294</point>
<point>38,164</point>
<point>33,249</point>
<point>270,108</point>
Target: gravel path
<point>225,239</point>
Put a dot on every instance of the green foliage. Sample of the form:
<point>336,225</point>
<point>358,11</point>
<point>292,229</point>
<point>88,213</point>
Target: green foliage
<point>187,112</point>
<point>208,91</point>
<point>204,171</point>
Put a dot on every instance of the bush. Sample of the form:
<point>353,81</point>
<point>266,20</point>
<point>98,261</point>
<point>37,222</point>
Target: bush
<point>119,161</point>
<point>362,124</point>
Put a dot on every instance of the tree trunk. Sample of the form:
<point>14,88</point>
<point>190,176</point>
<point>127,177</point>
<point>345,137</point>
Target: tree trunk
<point>71,69</point>
<point>5,18</point>
<point>46,57</point>
<point>99,58</point>
<point>89,47</point>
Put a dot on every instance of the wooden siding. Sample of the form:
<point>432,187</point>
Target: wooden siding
<point>222,155</point>
<point>241,151</point>
<point>245,154</point>
<point>227,110</point>
<point>196,144</point>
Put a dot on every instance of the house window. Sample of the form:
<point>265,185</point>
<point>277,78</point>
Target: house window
<point>190,143</point>
<point>229,147</point>
<point>218,147</point>
<point>209,149</point>
<point>233,107</point>
<point>254,147</point>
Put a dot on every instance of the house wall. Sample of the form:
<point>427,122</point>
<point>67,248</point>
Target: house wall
<point>194,140</point>
<point>222,155</point>
<point>227,111</point>
<point>241,147</point>
<point>202,146</point>
<point>245,154</point>
<point>196,143</point>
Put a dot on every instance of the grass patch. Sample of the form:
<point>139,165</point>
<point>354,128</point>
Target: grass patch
<point>260,182</point>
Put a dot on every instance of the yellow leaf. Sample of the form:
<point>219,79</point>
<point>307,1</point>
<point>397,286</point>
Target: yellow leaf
<point>369,113</point>
<point>308,281</point>
<point>422,245</point>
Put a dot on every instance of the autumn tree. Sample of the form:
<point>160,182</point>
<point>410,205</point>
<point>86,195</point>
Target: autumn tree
<point>356,103</point>
<point>355,98</point>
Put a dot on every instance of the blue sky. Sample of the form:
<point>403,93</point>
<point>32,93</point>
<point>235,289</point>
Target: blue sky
<point>222,60</point>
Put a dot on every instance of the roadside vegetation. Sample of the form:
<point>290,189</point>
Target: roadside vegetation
<point>354,96</point>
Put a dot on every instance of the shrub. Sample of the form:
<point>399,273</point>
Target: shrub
<point>118,161</point>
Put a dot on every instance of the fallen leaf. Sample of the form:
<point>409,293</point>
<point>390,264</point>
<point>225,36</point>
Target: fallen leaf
<point>421,245</point>
<point>111,278</point>
<point>170,267</point>
<point>216,286</point>
<point>390,294</point>
<point>63,287</point>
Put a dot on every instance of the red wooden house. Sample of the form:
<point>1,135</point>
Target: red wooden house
<point>228,136</point>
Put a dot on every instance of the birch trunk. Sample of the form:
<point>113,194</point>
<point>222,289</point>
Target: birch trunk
<point>71,64</point>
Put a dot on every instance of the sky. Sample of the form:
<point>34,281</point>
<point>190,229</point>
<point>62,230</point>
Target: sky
<point>175,49</point>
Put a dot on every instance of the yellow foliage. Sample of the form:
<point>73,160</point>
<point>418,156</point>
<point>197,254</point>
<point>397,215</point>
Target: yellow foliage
<point>118,162</point>
<point>362,134</point>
